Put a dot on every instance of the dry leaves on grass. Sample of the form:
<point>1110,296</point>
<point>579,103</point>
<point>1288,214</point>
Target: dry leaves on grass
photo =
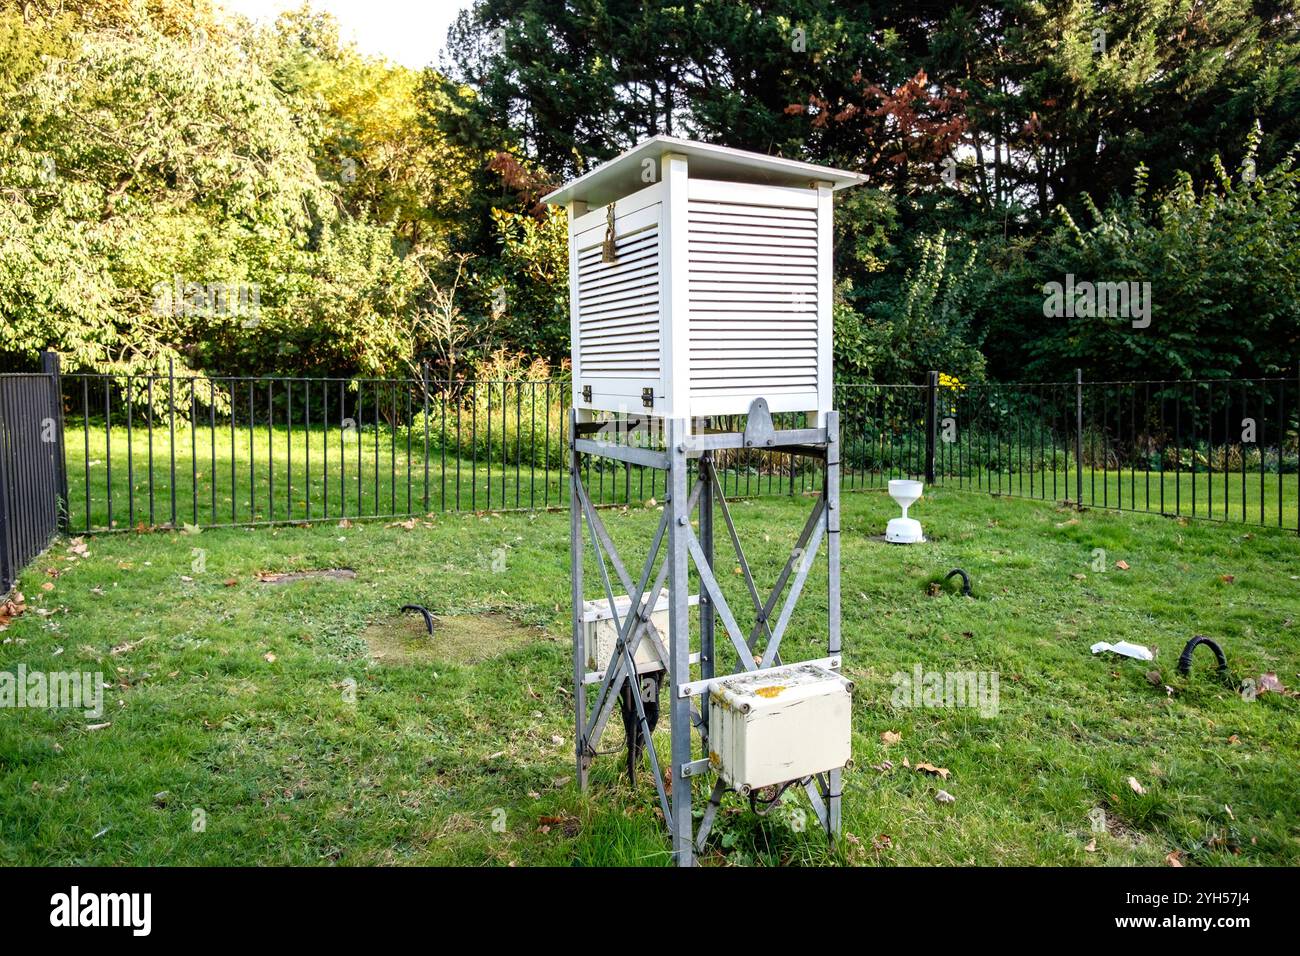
<point>1135,786</point>
<point>126,646</point>
<point>932,769</point>
<point>890,737</point>
<point>1122,565</point>
<point>1174,858</point>
<point>1269,683</point>
<point>568,825</point>
<point>14,607</point>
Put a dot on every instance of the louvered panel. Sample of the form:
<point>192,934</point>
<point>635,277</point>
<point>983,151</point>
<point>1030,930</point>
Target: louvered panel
<point>619,302</point>
<point>753,299</point>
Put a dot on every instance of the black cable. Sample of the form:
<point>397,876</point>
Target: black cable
<point>428,617</point>
<point>755,799</point>
<point>1185,659</point>
<point>965,580</point>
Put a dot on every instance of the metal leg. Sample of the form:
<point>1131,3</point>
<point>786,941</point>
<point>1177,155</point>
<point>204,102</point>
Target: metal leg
<point>833,588</point>
<point>679,641</point>
<point>707,615</point>
<point>579,651</point>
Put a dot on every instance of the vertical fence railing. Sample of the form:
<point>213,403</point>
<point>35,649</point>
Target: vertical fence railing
<point>1222,450</point>
<point>32,497</point>
<point>166,450</point>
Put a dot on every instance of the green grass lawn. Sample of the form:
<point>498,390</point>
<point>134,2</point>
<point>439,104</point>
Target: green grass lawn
<point>298,724</point>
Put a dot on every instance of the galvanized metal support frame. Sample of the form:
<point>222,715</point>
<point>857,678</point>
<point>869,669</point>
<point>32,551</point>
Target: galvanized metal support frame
<point>684,547</point>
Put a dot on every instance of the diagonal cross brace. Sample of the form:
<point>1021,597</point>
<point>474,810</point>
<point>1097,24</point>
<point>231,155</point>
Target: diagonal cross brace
<point>636,624</point>
<point>599,536</point>
<point>805,565</point>
<point>795,554</point>
<point>721,497</point>
<point>710,584</point>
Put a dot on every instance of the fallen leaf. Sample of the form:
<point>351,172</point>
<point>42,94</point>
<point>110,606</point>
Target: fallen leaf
<point>99,726</point>
<point>1135,786</point>
<point>931,768</point>
<point>1227,579</point>
<point>269,657</point>
<point>1080,576</point>
<point>1234,739</point>
<point>1092,846</point>
<point>47,586</point>
<point>1270,683</point>
<point>890,737</point>
<point>882,842</point>
<point>1173,858</point>
<point>1122,565</point>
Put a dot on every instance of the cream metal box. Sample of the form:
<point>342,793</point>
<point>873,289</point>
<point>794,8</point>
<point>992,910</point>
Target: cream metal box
<point>779,724</point>
<point>720,290</point>
<point>600,634</point>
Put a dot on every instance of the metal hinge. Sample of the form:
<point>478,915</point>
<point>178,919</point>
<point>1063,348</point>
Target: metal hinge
<point>648,397</point>
<point>586,393</point>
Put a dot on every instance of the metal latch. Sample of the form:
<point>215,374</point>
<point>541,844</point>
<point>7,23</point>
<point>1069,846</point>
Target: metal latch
<point>586,393</point>
<point>648,397</point>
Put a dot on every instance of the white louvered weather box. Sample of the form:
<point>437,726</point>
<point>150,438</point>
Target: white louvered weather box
<point>700,280</point>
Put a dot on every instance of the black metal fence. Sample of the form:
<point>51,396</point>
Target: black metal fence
<point>31,461</point>
<point>168,450</point>
<point>1224,450</point>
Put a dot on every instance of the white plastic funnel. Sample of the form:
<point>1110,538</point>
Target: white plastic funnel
<point>904,530</point>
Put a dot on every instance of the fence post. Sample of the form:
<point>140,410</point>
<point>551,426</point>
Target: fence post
<point>931,423</point>
<point>1078,438</point>
<point>51,366</point>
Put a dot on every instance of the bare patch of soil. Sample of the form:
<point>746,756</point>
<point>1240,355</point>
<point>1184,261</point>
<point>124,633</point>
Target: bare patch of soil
<point>456,638</point>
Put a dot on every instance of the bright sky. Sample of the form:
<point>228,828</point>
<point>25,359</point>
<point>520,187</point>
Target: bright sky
<point>409,32</point>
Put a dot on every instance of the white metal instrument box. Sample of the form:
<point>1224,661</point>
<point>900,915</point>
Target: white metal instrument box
<point>600,633</point>
<point>778,724</point>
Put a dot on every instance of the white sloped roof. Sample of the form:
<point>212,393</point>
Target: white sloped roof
<point>622,175</point>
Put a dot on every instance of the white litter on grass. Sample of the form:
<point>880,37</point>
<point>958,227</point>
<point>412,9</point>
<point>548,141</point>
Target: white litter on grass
<point>1126,649</point>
